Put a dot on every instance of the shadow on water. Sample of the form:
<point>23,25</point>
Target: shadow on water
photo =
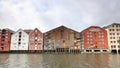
<point>59,61</point>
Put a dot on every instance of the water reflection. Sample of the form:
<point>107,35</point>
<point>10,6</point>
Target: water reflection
<point>4,60</point>
<point>59,61</point>
<point>115,61</point>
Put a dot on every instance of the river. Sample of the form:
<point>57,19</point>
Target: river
<point>59,61</point>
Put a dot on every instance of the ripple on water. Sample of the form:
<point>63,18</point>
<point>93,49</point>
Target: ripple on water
<point>59,61</point>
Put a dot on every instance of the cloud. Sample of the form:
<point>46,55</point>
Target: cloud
<point>48,14</point>
<point>20,15</point>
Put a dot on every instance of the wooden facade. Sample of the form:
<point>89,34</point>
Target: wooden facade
<point>5,38</point>
<point>94,37</point>
<point>61,37</point>
<point>19,41</point>
<point>35,40</point>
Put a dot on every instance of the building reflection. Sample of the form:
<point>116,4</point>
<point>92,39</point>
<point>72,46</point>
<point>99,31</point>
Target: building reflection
<point>59,61</point>
<point>18,61</point>
<point>3,60</point>
<point>35,60</point>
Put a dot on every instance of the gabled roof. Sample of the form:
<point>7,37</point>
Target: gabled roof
<point>62,27</point>
<point>8,30</point>
<point>111,25</point>
<point>19,30</point>
<point>28,30</point>
<point>91,27</point>
<point>34,30</point>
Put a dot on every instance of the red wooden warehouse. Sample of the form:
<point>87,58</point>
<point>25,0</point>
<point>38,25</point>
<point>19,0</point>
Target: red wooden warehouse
<point>35,40</point>
<point>94,37</point>
<point>5,38</point>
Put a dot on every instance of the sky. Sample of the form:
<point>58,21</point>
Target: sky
<point>49,14</point>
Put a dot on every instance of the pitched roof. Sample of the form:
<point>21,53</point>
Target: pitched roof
<point>111,25</point>
<point>28,30</point>
<point>63,27</point>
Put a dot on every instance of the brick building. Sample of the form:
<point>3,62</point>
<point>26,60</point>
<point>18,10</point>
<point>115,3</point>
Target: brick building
<point>35,40</point>
<point>60,37</point>
<point>5,38</point>
<point>94,37</point>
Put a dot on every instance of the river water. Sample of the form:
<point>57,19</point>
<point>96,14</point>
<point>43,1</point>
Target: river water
<point>59,61</point>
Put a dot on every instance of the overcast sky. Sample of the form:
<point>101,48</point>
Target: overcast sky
<point>49,14</point>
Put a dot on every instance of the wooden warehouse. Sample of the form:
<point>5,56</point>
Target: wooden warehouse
<point>61,38</point>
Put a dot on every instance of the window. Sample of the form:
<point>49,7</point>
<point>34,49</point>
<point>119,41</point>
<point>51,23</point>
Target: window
<point>23,35</point>
<point>109,29</point>
<point>20,33</point>
<point>112,37</point>
<point>112,29</point>
<point>117,33</point>
<point>111,46</point>
<point>114,46</point>
<point>62,33</point>
<point>90,32</point>
<point>63,41</point>
<point>91,43</point>
<point>39,43</point>
<point>88,39</point>
<point>88,42</point>
<point>117,29</point>
<point>36,34</point>
<point>112,25</point>
<point>14,43</point>
<point>31,43</point>
<point>24,43</point>
<point>36,38</point>
<point>6,34</point>
<point>117,25</point>
<point>3,40</point>
<point>19,36</point>
<point>101,42</point>
<point>118,46</point>
<point>3,36</point>
<point>19,43</point>
<point>2,44</point>
<point>111,41</point>
<point>22,46</point>
<point>87,32</point>
<point>19,39</point>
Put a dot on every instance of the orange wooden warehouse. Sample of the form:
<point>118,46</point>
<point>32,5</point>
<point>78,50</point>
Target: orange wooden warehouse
<point>94,37</point>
